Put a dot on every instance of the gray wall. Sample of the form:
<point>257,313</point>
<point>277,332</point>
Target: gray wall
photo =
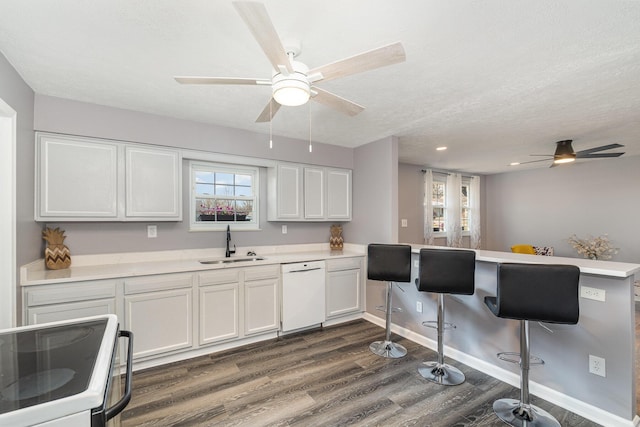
<point>15,92</point>
<point>375,194</point>
<point>545,206</point>
<point>77,118</point>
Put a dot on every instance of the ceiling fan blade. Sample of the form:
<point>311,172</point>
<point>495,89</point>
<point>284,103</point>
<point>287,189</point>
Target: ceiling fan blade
<point>598,155</point>
<point>535,161</point>
<point>269,111</point>
<point>336,102</point>
<point>596,149</point>
<point>257,19</point>
<point>194,80</point>
<point>376,58</point>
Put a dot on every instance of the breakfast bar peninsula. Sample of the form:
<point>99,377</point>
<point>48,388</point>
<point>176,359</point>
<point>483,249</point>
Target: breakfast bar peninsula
<point>605,329</point>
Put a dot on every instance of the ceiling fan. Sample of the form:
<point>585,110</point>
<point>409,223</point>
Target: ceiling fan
<point>564,153</point>
<point>292,82</point>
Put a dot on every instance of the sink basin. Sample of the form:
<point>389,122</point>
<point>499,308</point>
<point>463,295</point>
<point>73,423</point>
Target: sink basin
<point>230,260</point>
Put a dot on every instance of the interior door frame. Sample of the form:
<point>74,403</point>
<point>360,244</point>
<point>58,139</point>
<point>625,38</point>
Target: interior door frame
<point>8,283</point>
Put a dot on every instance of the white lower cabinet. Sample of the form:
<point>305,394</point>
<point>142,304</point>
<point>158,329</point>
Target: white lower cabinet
<point>159,312</point>
<point>344,286</point>
<point>219,293</point>
<point>173,314</point>
<point>261,299</point>
<point>66,301</point>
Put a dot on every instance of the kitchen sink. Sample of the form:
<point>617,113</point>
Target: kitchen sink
<point>230,260</point>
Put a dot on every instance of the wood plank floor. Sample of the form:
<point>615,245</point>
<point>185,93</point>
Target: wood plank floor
<point>326,377</point>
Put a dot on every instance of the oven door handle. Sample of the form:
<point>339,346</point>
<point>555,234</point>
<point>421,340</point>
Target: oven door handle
<point>122,403</point>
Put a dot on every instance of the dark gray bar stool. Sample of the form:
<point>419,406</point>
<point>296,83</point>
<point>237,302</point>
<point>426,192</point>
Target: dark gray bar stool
<point>542,293</point>
<point>445,271</point>
<point>390,263</point>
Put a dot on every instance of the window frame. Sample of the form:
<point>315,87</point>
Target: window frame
<point>439,178</point>
<point>235,169</point>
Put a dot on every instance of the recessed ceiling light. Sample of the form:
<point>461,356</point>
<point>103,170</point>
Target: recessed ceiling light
<point>441,148</point>
<point>514,164</point>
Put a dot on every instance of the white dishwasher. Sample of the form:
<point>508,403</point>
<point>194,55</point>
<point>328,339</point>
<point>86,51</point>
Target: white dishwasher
<point>303,290</point>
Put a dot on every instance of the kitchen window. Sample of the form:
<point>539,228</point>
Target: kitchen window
<point>222,195</point>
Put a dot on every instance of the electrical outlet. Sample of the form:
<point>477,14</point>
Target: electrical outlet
<point>419,306</point>
<point>592,293</point>
<point>284,229</point>
<point>403,223</point>
<point>152,231</point>
<point>597,366</point>
<point>416,263</point>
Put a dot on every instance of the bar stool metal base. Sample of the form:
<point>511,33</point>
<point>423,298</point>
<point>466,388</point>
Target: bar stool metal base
<point>388,349</point>
<point>442,374</point>
<point>512,412</point>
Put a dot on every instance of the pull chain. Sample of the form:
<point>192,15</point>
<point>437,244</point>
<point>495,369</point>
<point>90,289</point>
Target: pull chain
<point>270,124</point>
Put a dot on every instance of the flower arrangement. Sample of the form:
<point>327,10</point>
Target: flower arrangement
<point>213,210</point>
<point>593,247</point>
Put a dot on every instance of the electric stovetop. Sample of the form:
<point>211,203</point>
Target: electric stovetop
<point>57,367</point>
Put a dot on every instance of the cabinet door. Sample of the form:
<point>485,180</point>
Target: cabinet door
<point>153,183</point>
<point>76,178</point>
<point>314,193</point>
<point>339,194</point>
<point>289,192</point>
<point>160,321</point>
<point>343,292</point>
<point>218,313</point>
<point>58,312</point>
<point>261,306</point>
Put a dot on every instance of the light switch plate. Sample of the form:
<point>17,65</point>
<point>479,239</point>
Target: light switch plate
<point>152,231</point>
<point>403,223</point>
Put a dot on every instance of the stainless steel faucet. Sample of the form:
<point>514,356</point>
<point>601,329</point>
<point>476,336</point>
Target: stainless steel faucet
<point>228,252</point>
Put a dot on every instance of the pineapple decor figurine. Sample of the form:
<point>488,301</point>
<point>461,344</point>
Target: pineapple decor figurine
<point>56,254</point>
<point>336,242</point>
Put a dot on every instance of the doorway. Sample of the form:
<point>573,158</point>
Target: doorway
<point>7,216</point>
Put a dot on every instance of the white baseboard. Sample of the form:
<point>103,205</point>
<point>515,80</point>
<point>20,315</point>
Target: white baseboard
<point>569,403</point>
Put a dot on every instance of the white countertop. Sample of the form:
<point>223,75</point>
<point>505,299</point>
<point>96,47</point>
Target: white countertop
<point>111,266</point>
<point>587,266</point>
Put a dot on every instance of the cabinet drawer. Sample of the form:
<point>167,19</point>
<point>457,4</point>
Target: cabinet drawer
<point>259,273</point>
<point>219,277</point>
<point>343,263</point>
<point>157,283</point>
<point>59,312</point>
<point>70,292</point>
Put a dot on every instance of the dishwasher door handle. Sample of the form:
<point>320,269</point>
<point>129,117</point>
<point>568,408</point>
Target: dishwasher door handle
<point>304,270</point>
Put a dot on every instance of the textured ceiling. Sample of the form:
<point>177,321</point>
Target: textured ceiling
<point>493,80</point>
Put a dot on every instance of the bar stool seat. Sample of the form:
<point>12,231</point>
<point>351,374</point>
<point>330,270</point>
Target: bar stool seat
<point>445,271</point>
<point>390,263</point>
<point>539,292</point>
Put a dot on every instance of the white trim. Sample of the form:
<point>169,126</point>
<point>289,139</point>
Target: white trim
<point>8,284</point>
<point>569,403</point>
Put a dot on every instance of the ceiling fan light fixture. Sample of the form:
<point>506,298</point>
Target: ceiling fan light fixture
<point>292,89</point>
<point>564,152</point>
<point>561,160</point>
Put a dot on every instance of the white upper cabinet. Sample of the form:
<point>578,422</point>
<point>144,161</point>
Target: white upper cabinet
<point>285,192</point>
<point>76,178</point>
<point>89,179</point>
<point>309,193</point>
<point>153,183</point>
<point>338,194</point>
<point>314,193</point>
